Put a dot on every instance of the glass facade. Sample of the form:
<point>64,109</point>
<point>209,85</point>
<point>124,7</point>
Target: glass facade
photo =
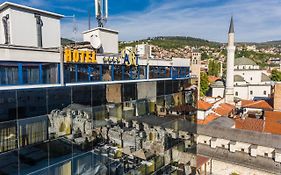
<point>56,130</point>
<point>16,73</point>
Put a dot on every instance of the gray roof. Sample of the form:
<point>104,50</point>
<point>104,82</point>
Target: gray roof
<point>244,61</point>
<point>265,77</point>
<point>218,84</point>
<point>231,27</point>
<point>238,78</point>
<point>223,121</point>
<point>240,158</point>
<point>251,137</point>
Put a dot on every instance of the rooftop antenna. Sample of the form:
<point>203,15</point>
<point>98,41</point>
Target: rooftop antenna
<point>101,7</point>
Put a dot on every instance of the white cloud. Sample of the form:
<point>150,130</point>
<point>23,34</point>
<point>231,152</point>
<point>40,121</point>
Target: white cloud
<point>254,20</point>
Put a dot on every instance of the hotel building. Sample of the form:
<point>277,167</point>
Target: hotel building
<point>55,101</point>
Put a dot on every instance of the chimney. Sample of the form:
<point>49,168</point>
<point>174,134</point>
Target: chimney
<point>277,97</point>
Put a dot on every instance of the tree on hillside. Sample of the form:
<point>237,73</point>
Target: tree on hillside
<point>204,56</point>
<point>275,75</point>
<point>204,84</point>
<point>214,68</point>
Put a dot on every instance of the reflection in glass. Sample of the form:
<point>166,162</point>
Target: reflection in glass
<point>8,136</point>
<point>33,130</point>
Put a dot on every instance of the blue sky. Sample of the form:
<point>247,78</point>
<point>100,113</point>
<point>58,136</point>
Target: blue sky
<point>255,20</point>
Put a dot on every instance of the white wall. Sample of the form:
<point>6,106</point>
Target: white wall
<point>109,39</point>
<point>28,55</point>
<point>258,91</point>
<point>24,33</point>
<point>23,28</point>
<point>217,92</point>
<point>251,76</point>
<point>244,92</point>
<point>51,32</point>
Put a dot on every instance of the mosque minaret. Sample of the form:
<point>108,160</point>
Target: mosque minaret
<point>229,91</point>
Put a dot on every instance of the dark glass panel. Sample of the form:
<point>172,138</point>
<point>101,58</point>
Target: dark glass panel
<point>160,88</point>
<point>9,163</point>
<point>7,105</point>
<point>82,95</point>
<point>59,150</point>
<point>33,158</point>
<point>168,87</point>
<point>129,91</point>
<point>31,102</point>
<point>58,98</point>
<point>98,95</point>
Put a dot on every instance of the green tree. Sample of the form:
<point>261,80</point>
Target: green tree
<point>213,68</point>
<point>204,56</point>
<point>275,75</point>
<point>204,83</point>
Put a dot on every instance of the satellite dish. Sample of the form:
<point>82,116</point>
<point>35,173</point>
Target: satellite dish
<point>95,41</point>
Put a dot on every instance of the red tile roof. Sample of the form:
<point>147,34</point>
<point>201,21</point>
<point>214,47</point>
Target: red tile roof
<point>272,122</point>
<point>249,124</point>
<point>224,109</point>
<point>261,104</point>
<point>212,79</point>
<point>202,105</point>
<point>208,119</point>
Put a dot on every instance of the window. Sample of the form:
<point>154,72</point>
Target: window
<point>223,146</point>
<point>205,141</point>
<point>251,92</point>
<point>236,93</point>
<point>264,92</point>
<point>243,150</point>
<point>266,154</point>
<point>251,78</point>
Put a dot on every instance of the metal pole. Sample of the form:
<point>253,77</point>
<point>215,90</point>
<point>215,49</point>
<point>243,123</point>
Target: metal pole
<point>61,66</point>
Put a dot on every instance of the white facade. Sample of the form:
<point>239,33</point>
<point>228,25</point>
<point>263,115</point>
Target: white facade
<point>108,38</point>
<point>25,34</point>
<point>23,44</point>
<point>143,50</point>
<point>248,92</point>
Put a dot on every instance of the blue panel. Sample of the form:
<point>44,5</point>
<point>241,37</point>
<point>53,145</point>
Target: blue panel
<point>76,73</point>
<point>171,72</point>
<point>20,73</point>
<point>59,73</point>
<point>40,74</point>
<point>89,73</point>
